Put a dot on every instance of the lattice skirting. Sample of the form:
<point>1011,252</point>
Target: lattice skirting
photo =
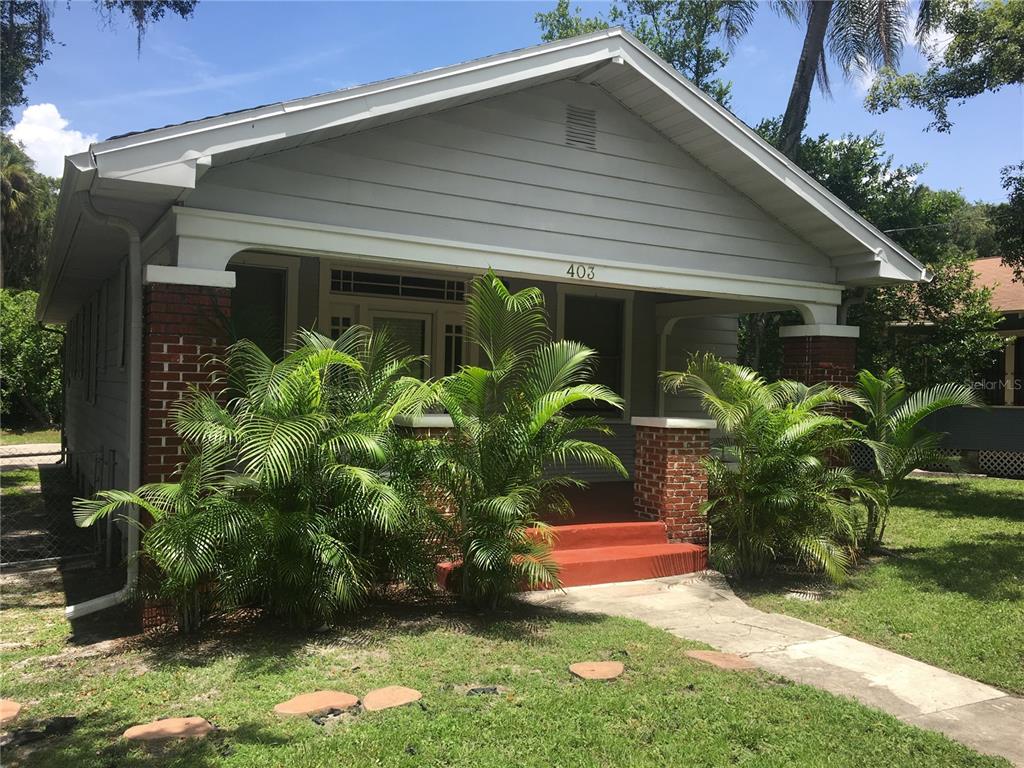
<point>1002,463</point>
<point>953,465</point>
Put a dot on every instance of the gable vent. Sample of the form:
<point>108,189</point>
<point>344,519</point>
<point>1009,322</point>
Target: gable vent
<point>580,127</point>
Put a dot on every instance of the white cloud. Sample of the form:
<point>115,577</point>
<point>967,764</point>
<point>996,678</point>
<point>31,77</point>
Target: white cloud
<point>47,138</point>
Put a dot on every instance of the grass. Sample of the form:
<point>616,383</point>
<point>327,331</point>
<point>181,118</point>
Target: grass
<point>665,710</point>
<point>18,437</point>
<point>952,592</point>
<point>19,481</point>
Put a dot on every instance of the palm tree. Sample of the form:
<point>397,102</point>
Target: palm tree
<point>892,429</point>
<point>775,493</point>
<point>190,522</point>
<point>296,503</point>
<point>513,432</point>
<point>858,34</point>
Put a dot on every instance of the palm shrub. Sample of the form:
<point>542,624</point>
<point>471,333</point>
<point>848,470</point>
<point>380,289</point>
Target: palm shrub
<point>891,427</point>
<point>306,440</point>
<point>504,466</point>
<point>190,523</point>
<point>774,492</point>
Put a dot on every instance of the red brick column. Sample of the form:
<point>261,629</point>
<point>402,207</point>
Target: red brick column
<point>183,325</point>
<point>669,482</point>
<point>813,354</point>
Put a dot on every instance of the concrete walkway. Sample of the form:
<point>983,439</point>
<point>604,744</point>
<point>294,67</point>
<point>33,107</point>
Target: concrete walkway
<point>703,607</point>
<point>29,454</point>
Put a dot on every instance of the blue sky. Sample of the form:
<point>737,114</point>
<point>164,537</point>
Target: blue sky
<point>233,55</point>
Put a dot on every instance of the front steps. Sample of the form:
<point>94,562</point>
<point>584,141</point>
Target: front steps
<point>603,553</point>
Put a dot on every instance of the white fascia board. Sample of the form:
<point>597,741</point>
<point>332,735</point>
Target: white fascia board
<point>821,329</point>
<point>234,232</point>
<point>211,278</point>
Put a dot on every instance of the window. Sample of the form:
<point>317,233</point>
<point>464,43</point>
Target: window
<point>339,323</point>
<point>258,307</point>
<point>453,344</point>
<point>126,314</point>
<point>406,286</point>
<point>599,323</point>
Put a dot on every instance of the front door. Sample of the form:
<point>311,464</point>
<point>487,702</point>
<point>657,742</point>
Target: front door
<point>412,330</point>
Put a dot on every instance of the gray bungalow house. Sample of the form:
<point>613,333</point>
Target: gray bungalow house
<point>649,215</point>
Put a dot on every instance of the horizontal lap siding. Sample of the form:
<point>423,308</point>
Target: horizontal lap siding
<point>95,426</point>
<point>498,173</point>
<point>715,334</point>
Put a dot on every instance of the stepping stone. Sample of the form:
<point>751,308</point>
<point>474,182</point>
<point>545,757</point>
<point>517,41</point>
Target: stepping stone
<point>9,710</point>
<point>597,670</point>
<point>392,696</point>
<point>170,728</point>
<point>316,703</point>
<point>722,660</point>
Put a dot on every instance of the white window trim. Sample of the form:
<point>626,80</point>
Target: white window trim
<point>566,289</point>
<point>290,265</point>
<point>366,305</point>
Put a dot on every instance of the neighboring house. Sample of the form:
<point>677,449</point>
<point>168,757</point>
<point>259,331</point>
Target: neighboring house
<point>993,439</point>
<point>649,215</point>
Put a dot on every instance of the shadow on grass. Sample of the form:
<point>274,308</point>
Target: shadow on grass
<point>262,645</point>
<point>966,497</point>
<point>97,740</point>
<point>986,568</point>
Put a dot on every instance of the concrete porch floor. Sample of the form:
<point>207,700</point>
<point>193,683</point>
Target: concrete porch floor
<point>703,607</point>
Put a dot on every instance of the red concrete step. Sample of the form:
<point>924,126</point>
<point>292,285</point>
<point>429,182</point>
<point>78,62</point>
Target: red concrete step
<point>604,565</point>
<point>589,535</point>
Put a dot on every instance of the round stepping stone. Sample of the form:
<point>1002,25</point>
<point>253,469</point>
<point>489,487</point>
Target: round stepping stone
<point>316,703</point>
<point>722,660</point>
<point>170,728</point>
<point>9,710</point>
<point>597,670</point>
<point>392,696</point>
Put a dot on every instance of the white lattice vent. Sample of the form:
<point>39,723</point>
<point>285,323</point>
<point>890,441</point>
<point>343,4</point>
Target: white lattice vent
<point>1001,463</point>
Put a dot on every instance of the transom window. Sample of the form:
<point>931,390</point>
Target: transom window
<point>406,286</point>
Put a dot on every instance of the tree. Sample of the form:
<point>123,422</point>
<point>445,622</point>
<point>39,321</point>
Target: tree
<point>30,363</point>
<point>27,205</point>
<point>857,34</point>
<point>774,493</point>
<point>1008,220</point>
<point>684,33</point>
<point>514,433</point>
<point>26,37</point>
<point>934,332</point>
<point>985,53</point>
<point>892,429</point>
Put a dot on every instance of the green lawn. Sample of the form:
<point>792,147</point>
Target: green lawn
<point>952,594</point>
<point>16,437</point>
<point>666,710</point>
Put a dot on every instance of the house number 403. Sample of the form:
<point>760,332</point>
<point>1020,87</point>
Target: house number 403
<point>580,271</point>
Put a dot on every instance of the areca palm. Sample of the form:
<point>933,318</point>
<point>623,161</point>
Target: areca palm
<point>190,523</point>
<point>892,429</point>
<point>307,438</point>
<point>774,492</point>
<point>513,437</point>
<point>858,35</point>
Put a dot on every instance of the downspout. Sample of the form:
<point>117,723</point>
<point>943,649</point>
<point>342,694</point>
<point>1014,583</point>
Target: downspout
<point>134,404</point>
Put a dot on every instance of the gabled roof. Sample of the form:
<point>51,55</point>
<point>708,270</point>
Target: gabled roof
<point>160,166</point>
<point>1007,294</point>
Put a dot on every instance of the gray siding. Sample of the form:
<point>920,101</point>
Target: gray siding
<point>96,390</point>
<point>499,173</point>
<point>716,334</point>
